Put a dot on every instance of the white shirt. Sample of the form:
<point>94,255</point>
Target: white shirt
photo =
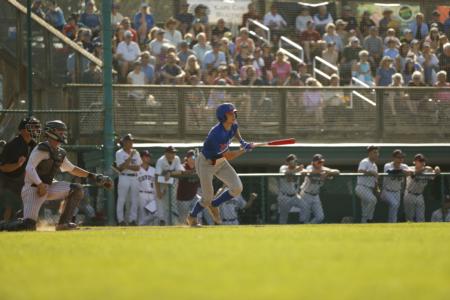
<point>116,19</point>
<point>200,51</point>
<point>312,182</point>
<point>229,209</point>
<point>437,216</point>
<point>416,184</point>
<point>122,156</point>
<point>288,183</point>
<point>155,46</point>
<point>301,21</point>
<point>276,21</point>
<point>174,38</point>
<point>36,156</point>
<point>367,165</point>
<point>393,183</point>
<point>130,52</point>
<point>146,179</point>
<point>163,165</point>
<point>137,78</point>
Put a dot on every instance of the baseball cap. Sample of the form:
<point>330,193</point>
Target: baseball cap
<point>128,137</point>
<point>145,153</point>
<point>291,157</point>
<point>372,147</point>
<point>398,153</point>
<point>419,157</point>
<point>171,149</point>
<point>318,157</point>
<point>190,153</point>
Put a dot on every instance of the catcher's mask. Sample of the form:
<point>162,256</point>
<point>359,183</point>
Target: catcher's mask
<point>56,130</point>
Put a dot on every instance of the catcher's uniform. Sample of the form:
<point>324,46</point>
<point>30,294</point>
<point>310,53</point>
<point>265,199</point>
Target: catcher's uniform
<point>392,186</point>
<point>413,200</point>
<point>147,212</point>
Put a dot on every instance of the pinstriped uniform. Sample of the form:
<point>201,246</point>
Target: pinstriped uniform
<point>413,200</point>
<point>288,196</point>
<point>392,186</point>
<point>365,190</point>
<point>310,190</point>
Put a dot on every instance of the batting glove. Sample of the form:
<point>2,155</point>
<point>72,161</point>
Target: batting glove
<point>248,147</point>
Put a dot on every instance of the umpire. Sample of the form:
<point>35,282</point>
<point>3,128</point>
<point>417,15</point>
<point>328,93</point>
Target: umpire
<point>13,160</point>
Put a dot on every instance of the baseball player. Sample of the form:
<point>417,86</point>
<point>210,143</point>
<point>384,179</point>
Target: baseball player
<point>288,196</point>
<point>317,173</point>
<point>367,184</point>
<point>45,161</point>
<point>442,214</point>
<point>166,186</point>
<point>188,187</point>
<point>147,208</point>
<point>128,163</point>
<point>214,161</point>
<point>392,184</point>
<point>13,160</point>
<point>413,201</point>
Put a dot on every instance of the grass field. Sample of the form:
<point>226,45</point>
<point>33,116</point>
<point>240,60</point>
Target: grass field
<point>401,261</point>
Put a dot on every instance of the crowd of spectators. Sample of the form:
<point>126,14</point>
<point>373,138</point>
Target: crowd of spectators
<point>188,48</point>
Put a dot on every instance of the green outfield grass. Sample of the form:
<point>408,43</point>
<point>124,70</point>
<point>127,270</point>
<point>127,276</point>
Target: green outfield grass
<point>401,261</point>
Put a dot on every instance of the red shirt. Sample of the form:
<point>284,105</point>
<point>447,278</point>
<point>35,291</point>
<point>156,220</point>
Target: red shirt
<point>187,186</point>
<point>307,36</point>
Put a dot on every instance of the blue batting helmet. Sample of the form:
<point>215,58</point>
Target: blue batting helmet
<point>222,109</point>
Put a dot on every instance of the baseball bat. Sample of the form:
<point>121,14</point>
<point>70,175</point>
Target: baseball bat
<point>281,142</point>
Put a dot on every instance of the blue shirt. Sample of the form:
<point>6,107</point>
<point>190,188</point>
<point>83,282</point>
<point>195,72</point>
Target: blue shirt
<point>148,19</point>
<point>218,141</point>
<point>149,72</point>
<point>90,20</point>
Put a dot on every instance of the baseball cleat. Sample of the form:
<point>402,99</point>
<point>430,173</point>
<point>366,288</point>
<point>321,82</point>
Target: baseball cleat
<point>66,226</point>
<point>215,214</point>
<point>192,221</point>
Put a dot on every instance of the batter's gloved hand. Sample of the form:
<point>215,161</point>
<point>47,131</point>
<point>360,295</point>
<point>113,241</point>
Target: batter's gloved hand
<point>248,147</point>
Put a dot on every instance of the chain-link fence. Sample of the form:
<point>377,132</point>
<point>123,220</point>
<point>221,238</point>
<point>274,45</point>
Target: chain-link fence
<point>280,199</point>
<point>343,114</point>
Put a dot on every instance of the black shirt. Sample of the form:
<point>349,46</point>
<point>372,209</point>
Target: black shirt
<point>11,153</point>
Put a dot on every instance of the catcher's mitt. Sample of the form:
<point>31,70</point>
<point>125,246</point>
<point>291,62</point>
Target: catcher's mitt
<point>103,181</point>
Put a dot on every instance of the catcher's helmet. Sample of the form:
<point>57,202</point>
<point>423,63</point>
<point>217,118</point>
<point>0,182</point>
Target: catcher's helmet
<point>224,108</point>
<point>51,128</point>
<point>33,125</point>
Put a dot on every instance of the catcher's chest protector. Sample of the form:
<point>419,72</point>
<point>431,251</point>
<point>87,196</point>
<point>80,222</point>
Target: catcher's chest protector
<point>48,168</point>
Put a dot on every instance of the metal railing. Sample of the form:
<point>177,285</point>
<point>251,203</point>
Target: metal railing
<point>317,71</point>
<point>177,113</point>
<point>261,27</point>
<point>293,45</point>
<point>359,82</point>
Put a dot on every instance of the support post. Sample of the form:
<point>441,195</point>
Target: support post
<point>29,61</point>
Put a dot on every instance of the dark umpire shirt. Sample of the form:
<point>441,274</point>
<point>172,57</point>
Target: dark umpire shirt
<point>14,149</point>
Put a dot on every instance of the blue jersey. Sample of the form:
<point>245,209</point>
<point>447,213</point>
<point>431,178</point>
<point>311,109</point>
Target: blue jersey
<point>218,141</point>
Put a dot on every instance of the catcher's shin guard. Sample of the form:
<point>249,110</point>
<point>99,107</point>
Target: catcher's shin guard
<point>19,225</point>
<point>71,203</point>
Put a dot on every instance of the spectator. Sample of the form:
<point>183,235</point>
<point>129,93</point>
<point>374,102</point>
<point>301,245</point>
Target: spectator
<point>192,67</point>
<point>385,72</point>
<point>219,30</point>
<point>147,67</point>
<point>184,18</point>
<point>172,35</point>
<point>447,25</point>
<point>214,58</point>
<point>391,35</point>
<point>313,101</point>
<point>362,69</point>
<point>330,55</point>
<point>233,73</point>
<point>200,16</point>
<point>322,18</point>
<point>244,40</point>
<point>92,75</point>
<point>224,46</point>
<point>430,64</point>
<point>415,48</point>
<point>302,20</point>
<point>350,56</point>
<point>443,39</point>
<point>310,41</point>
<point>396,99</point>
<point>418,27</point>
<point>143,22</point>
<point>441,82</point>
<point>347,16</point>
<point>155,45</point>
<point>250,14</point>
<point>184,53</point>
<point>444,60</point>
<point>374,45</point>
<point>303,73</point>
<point>90,18</point>
<point>223,75</point>
<point>258,62</point>
<point>71,28</point>
<point>281,68</point>
<point>231,45</point>
<point>408,36</point>
<point>55,15</point>
<point>85,37</point>
<point>268,58</point>
<point>332,36</point>
<point>252,78</point>
<point>387,22</point>
<point>202,47</point>
<point>126,25</point>
<point>171,72</point>
<point>116,16</point>
<point>273,19</point>
<point>433,38</point>
<point>36,8</point>
<point>137,77</point>
<point>333,102</point>
<point>403,54</point>
<point>436,21</point>
<point>391,49</point>
<point>366,23</point>
<point>127,53</point>
<point>418,98</point>
<point>409,69</point>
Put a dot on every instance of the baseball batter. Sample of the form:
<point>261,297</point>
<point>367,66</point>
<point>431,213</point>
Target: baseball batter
<point>45,161</point>
<point>214,161</point>
<point>415,185</point>
<point>128,162</point>
<point>147,208</point>
<point>367,184</point>
<point>392,184</point>
<point>317,173</point>
<point>288,196</point>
